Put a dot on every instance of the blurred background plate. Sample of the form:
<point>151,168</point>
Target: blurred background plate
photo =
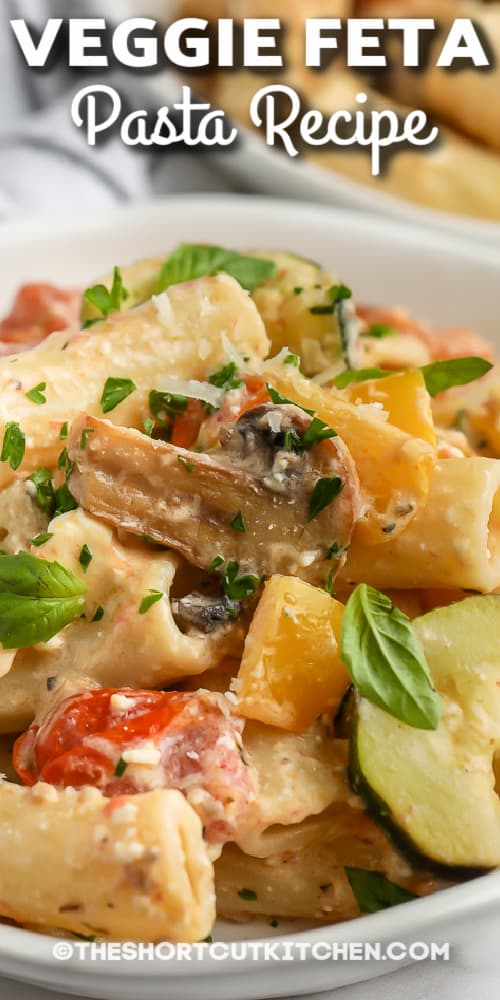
<point>261,168</point>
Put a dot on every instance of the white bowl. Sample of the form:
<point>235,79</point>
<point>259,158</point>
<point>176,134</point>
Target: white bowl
<point>439,278</point>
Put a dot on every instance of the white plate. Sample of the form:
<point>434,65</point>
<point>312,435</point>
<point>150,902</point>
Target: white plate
<point>440,279</point>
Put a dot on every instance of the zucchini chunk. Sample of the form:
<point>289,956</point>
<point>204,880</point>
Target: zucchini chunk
<point>437,791</point>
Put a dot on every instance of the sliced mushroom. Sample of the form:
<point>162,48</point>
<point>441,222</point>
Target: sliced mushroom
<point>247,501</point>
<point>197,613</point>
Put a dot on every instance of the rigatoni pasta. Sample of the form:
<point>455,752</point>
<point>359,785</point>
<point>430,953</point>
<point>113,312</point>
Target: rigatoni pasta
<point>195,661</point>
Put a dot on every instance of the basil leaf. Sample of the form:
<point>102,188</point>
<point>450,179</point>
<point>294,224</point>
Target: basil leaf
<point>441,375</point>
<point>385,660</point>
<point>190,261</point>
<point>37,599</point>
<point>359,375</point>
<point>325,490</point>
<point>373,891</point>
<point>14,445</point>
<point>115,391</point>
<point>107,301</point>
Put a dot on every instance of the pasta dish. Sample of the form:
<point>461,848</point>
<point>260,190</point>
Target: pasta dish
<point>250,553</point>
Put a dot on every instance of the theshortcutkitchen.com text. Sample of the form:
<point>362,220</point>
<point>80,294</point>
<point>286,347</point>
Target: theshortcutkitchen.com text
<point>190,45</point>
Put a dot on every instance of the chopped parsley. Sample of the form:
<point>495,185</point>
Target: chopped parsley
<point>14,445</point>
<point>120,768</point>
<point>292,359</point>
<point>63,433</point>
<point>325,490</point>
<point>53,502</point>
<point>39,540</point>
<point>238,523</point>
<point>336,550</point>
<point>165,407</point>
<point>115,391</point>
<point>316,432</point>
<point>84,440</point>
<point>85,558</point>
<point>249,894</point>
<point>99,614</point>
<point>189,466</point>
<point>214,565</point>
<point>65,464</point>
<point>379,330</point>
<point>237,588</point>
<point>276,397</point>
<point>336,294</point>
<point>298,290</point>
<point>148,426</point>
<point>329,583</point>
<point>226,378</point>
<point>107,300</point>
<point>152,597</point>
<point>37,395</point>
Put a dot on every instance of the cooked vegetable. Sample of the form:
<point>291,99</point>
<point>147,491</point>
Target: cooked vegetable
<point>394,467</point>
<point>293,296</point>
<point>374,892</point>
<point>190,261</point>
<point>178,333</point>
<point>319,323</point>
<point>438,375</point>
<point>404,397</point>
<point>166,739</point>
<point>437,790</point>
<point>139,484</point>
<point>37,599</point>
<point>385,659</point>
<point>291,671</point>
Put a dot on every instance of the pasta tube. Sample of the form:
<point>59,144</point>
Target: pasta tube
<point>130,868</point>
<point>178,334</point>
<point>304,876</point>
<point>118,647</point>
<point>453,542</point>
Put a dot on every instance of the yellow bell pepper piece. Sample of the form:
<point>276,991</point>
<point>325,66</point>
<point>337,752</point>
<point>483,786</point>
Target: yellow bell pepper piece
<point>290,671</point>
<point>404,397</point>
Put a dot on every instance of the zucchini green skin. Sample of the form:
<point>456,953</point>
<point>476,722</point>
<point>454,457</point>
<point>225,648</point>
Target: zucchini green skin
<point>381,813</point>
